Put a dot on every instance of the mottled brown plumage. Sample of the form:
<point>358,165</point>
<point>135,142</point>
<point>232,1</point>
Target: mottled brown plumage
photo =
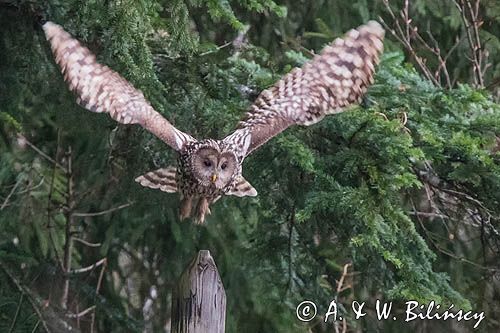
<point>208,169</point>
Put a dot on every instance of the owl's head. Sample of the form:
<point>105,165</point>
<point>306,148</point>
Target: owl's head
<point>213,164</point>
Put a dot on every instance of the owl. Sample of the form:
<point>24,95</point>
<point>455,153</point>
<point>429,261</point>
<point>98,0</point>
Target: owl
<point>208,169</point>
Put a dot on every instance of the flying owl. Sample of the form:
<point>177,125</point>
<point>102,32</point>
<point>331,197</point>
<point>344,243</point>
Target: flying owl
<point>208,169</point>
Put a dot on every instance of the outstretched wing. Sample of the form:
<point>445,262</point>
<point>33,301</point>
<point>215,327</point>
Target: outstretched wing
<point>100,89</point>
<point>331,81</point>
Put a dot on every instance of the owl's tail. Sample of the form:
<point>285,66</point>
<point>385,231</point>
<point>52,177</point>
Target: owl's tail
<point>161,179</point>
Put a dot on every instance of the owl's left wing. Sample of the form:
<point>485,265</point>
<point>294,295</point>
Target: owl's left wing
<point>100,89</point>
<point>334,79</point>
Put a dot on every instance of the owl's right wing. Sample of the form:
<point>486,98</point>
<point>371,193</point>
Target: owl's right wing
<point>100,89</point>
<point>334,79</point>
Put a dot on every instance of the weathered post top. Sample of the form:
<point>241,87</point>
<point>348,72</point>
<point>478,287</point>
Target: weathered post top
<point>199,299</point>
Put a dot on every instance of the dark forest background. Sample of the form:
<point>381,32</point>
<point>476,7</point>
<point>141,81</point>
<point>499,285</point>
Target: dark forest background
<point>398,198</point>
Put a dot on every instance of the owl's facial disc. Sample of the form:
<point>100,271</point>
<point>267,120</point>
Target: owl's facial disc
<point>211,168</point>
<point>226,167</point>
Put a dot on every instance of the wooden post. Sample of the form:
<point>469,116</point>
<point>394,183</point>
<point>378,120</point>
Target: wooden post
<point>199,299</point>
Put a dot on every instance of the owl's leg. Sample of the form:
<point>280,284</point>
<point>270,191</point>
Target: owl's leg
<point>202,209</point>
<point>186,205</point>
<point>215,200</point>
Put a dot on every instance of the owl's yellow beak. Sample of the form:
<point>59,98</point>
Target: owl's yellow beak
<point>214,178</point>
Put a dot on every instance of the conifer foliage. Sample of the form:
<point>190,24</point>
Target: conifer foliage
<point>397,199</point>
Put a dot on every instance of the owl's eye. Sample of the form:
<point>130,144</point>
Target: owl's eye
<point>223,166</point>
<point>207,163</point>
